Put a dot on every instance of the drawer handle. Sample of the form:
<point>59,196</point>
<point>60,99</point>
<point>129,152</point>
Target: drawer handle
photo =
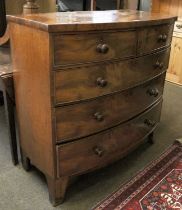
<point>98,151</point>
<point>101,82</point>
<point>153,92</point>
<point>179,26</point>
<point>98,116</point>
<point>102,48</point>
<point>159,65</point>
<point>162,37</point>
<point>150,123</point>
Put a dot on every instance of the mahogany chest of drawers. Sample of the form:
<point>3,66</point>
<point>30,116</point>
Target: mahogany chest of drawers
<point>88,87</point>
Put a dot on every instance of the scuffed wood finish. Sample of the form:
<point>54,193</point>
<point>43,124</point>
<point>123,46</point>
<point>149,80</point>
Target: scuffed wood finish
<point>87,154</point>
<point>80,120</point>
<point>118,75</point>
<point>32,93</point>
<point>80,77</point>
<point>85,48</point>
<point>153,38</point>
<point>92,20</point>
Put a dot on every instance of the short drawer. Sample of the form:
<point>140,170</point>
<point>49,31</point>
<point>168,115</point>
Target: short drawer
<point>85,48</point>
<point>90,82</point>
<point>98,150</point>
<point>82,119</point>
<point>154,38</point>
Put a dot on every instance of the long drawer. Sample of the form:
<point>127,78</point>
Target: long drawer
<point>98,150</point>
<point>93,47</point>
<point>90,82</point>
<point>82,119</point>
<point>153,38</point>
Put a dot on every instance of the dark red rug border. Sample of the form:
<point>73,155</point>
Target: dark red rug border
<point>169,153</point>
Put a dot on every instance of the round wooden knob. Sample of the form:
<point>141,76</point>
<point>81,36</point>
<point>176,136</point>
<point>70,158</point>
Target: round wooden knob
<point>150,123</point>
<point>101,82</point>
<point>102,48</point>
<point>98,151</point>
<point>162,37</point>
<point>98,116</point>
<point>153,92</point>
<point>159,65</point>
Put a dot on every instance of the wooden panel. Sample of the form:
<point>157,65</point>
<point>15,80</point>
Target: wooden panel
<point>156,6</point>
<point>180,9</point>
<point>32,92</point>
<point>173,7</point>
<point>76,121</point>
<point>89,153</point>
<point>165,8</point>
<point>120,75</point>
<point>85,48</point>
<point>174,73</point>
<point>153,38</point>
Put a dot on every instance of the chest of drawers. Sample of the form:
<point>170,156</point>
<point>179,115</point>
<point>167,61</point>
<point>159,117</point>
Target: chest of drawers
<point>88,88</point>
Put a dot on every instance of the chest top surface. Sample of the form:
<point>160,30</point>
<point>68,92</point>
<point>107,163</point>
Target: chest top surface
<point>91,20</point>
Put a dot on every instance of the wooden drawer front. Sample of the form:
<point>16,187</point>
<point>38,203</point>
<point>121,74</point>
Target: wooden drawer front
<point>178,26</point>
<point>85,48</point>
<point>84,83</point>
<point>98,150</point>
<point>79,120</point>
<point>154,38</point>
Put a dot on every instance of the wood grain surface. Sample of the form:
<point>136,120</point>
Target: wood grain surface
<point>91,20</point>
<point>32,92</point>
<point>118,75</point>
<point>99,150</point>
<point>94,47</point>
<point>79,120</point>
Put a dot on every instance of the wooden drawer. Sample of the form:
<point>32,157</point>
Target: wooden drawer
<point>178,27</point>
<point>88,82</point>
<point>154,38</point>
<point>85,48</point>
<point>98,150</point>
<point>83,119</point>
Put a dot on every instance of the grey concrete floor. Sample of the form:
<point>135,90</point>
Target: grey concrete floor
<point>20,190</point>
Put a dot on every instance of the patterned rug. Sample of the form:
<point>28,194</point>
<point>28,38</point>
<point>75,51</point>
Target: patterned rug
<point>157,187</point>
